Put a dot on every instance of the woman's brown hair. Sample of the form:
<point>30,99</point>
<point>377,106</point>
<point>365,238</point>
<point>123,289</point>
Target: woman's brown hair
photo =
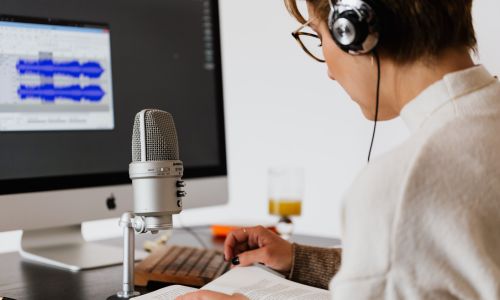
<point>415,29</point>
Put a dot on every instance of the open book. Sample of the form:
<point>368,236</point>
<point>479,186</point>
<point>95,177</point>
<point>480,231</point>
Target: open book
<point>255,282</point>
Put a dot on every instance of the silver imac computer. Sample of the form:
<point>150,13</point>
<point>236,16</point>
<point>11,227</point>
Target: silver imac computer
<point>73,74</point>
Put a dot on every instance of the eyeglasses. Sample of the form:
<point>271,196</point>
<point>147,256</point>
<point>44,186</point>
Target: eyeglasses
<point>309,42</point>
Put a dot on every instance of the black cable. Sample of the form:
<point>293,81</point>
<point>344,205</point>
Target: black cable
<point>193,234</point>
<point>196,236</point>
<point>375,54</point>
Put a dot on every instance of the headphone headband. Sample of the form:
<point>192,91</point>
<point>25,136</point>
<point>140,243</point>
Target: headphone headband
<point>354,25</point>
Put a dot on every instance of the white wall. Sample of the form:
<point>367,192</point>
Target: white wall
<point>282,109</point>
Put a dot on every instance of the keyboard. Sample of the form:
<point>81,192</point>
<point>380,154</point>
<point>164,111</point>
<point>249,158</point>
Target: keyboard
<point>180,265</point>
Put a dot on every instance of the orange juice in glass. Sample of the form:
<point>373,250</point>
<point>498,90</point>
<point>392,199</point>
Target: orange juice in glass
<point>285,207</point>
<point>286,188</point>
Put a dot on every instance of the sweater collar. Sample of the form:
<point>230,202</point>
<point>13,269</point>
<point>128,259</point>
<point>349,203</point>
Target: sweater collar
<point>442,92</point>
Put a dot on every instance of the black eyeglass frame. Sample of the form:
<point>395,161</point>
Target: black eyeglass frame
<point>297,33</point>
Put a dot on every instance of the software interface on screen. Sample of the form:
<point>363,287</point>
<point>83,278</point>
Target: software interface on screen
<point>55,77</point>
<point>74,73</point>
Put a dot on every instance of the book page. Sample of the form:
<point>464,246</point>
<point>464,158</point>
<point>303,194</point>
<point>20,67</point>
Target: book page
<point>167,293</point>
<point>255,282</point>
<point>259,284</point>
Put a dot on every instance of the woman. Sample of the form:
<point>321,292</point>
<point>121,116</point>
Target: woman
<point>421,221</point>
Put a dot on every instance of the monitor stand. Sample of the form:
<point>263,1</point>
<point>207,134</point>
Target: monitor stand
<point>65,247</point>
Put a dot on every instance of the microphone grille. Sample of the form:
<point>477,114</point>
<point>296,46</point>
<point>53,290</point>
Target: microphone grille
<point>136,139</point>
<point>158,135</point>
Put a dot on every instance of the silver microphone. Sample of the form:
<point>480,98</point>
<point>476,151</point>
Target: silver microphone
<point>156,170</point>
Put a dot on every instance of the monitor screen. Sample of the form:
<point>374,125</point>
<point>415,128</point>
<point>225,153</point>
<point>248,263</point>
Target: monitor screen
<point>74,73</point>
<point>55,77</point>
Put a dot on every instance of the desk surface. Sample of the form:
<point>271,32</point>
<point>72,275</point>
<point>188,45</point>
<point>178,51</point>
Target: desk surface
<point>25,280</point>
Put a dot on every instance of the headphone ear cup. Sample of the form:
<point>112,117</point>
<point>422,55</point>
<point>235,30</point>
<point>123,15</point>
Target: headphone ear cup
<point>353,26</point>
<point>348,32</point>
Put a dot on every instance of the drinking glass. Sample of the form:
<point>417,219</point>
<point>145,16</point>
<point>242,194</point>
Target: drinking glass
<point>286,189</point>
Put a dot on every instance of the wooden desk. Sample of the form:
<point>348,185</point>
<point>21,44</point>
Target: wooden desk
<point>25,280</point>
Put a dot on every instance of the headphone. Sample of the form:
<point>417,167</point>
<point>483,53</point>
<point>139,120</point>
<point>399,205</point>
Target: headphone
<point>355,28</point>
<point>354,25</point>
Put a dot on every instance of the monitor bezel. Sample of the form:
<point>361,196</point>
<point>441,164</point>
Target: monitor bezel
<point>53,21</point>
<point>54,183</point>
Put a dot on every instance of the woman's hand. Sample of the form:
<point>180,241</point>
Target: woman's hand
<point>209,295</point>
<point>258,245</point>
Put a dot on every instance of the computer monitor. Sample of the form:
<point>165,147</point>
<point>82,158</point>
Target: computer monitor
<point>72,76</point>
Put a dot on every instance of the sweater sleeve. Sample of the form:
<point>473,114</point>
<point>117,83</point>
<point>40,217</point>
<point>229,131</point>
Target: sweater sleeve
<point>314,266</point>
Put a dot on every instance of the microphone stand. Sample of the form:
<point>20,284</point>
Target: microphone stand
<point>130,224</point>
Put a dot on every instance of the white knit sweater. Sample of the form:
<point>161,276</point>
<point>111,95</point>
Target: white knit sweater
<point>423,221</point>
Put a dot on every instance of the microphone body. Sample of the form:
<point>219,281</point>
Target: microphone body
<point>156,170</point>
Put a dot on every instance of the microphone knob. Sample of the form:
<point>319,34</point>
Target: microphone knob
<point>181,194</point>
<point>181,184</point>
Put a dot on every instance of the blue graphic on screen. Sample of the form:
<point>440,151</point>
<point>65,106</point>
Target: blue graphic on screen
<point>49,68</point>
<point>49,92</point>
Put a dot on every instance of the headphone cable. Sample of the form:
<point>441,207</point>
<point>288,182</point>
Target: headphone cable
<point>375,54</point>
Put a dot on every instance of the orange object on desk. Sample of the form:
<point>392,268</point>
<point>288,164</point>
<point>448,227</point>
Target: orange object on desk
<point>221,231</point>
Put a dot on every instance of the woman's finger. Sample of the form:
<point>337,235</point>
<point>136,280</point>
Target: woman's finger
<point>234,238</point>
<point>240,248</point>
<point>260,255</point>
<point>207,295</point>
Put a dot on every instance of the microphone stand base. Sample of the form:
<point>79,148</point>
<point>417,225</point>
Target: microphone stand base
<point>121,295</point>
